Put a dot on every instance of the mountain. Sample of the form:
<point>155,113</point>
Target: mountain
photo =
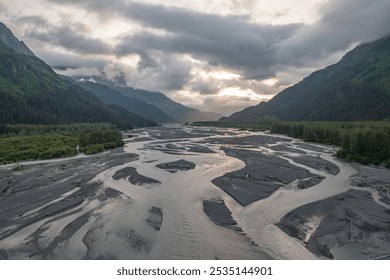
<point>8,38</point>
<point>355,88</point>
<point>31,92</point>
<point>174,109</point>
<point>110,96</point>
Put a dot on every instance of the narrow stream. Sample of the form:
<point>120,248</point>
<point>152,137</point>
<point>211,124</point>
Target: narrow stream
<point>147,202</point>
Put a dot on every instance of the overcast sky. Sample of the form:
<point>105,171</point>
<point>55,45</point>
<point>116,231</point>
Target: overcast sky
<point>213,55</point>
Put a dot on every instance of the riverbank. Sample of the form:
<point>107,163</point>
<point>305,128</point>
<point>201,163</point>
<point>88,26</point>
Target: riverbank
<point>182,192</point>
<point>363,142</point>
<point>37,142</point>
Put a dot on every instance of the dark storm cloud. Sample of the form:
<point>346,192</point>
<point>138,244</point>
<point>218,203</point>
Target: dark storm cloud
<point>204,87</point>
<point>35,21</point>
<point>169,72</point>
<point>256,51</point>
<point>102,7</point>
<point>70,35</point>
<point>69,60</point>
<point>342,23</point>
<point>226,41</point>
<point>73,39</point>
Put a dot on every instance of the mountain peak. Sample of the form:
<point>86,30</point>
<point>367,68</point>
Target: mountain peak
<point>356,88</point>
<point>8,38</point>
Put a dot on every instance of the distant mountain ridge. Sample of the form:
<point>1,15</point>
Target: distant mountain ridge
<point>31,92</point>
<point>138,106</point>
<point>355,88</point>
<point>173,111</point>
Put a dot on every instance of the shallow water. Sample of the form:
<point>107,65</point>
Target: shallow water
<point>108,216</point>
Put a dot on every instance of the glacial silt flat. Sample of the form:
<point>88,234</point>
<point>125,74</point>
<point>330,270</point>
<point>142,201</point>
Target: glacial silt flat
<point>182,192</point>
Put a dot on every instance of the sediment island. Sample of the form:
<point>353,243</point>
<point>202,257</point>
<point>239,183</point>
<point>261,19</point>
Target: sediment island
<point>183,192</point>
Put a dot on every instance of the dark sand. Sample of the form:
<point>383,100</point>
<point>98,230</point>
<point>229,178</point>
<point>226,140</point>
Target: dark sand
<point>307,183</point>
<point>257,140</point>
<point>377,178</point>
<point>311,147</point>
<point>65,235</point>
<point>155,218</point>
<point>200,149</point>
<point>347,226</point>
<point>67,183</point>
<point>218,213</point>
<point>317,163</point>
<point>285,148</point>
<point>141,139</point>
<point>262,175</point>
<point>173,149</point>
<point>134,177</point>
<point>179,165</point>
<point>163,132</point>
<point>184,149</point>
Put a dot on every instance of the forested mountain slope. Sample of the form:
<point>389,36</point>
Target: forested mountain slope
<point>110,96</point>
<point>31,92</point>
<point>355,88</point>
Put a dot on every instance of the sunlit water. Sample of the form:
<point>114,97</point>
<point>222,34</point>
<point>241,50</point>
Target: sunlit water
<point>118,228</point>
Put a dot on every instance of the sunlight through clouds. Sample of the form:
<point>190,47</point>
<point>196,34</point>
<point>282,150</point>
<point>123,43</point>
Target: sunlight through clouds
<point>198,50</point>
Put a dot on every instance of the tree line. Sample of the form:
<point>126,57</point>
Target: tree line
<point>366,142</point>
<point>30,142</point>
<point>363,142</point>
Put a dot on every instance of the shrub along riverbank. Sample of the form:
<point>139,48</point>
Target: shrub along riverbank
<point>363,142</point>
<point>29,142</point>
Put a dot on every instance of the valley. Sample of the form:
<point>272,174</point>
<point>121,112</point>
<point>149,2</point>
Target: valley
<point>168,131</point>
<point>183,192</point>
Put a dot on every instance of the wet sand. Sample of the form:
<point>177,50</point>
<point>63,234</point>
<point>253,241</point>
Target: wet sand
<point>43,193</point>
<point>131,174</point>
<point>175,166</point>
<point>317,163</point>
<point>155,218</point>
<point>219,213</point>
<point>350,219</point>
<point>228,194</point>
<point>262,175</point>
